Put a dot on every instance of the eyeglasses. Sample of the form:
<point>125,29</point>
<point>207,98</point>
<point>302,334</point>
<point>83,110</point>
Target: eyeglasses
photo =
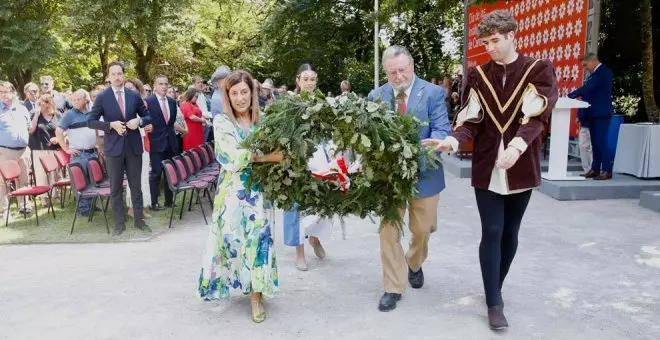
<point>400,70</point>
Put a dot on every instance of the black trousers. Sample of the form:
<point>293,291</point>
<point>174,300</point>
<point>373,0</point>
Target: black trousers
<point>156,174</point>
<point>500,222</point>
<point>116,165</point>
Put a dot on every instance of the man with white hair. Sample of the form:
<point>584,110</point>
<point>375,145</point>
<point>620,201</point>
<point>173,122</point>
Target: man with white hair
<point>48,86</point>
<point>409,95</point>
<point>82,139</point>
<point>217,79</point>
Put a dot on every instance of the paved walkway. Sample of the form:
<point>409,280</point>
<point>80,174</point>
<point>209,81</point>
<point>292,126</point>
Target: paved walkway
<point>585,270</point>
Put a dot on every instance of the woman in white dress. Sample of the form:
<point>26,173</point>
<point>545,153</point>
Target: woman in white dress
<point>294,235</point>
<point>136,85</point>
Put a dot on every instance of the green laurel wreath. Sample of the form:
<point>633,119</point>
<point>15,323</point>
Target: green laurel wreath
<point>388,144</point>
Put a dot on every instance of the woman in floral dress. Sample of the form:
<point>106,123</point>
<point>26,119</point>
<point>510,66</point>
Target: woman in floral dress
<point>240,252</point>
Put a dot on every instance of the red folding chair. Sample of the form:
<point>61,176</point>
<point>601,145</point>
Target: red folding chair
<point>176,186</point>
<point>63,159</point>
<point>96,174</point>
<point>207,158</point>
<point>199,164</point>
<point>184,175</point>
<point>81,189</point>
<point>50,164</point>
<point>11,171</point>
<point>194,171</point>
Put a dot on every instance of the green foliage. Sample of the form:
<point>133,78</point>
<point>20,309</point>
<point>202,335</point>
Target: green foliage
<point>27,42</point>
<point>387,143</point>
<point>626,105</point>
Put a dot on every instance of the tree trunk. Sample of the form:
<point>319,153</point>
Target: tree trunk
<point>103,44</point>
<point>145,62</point>
<point>20,78</point>
<point>652,110</point>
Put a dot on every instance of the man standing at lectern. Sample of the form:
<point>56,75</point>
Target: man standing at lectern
<point>597,91</point>
<point>506,106</point>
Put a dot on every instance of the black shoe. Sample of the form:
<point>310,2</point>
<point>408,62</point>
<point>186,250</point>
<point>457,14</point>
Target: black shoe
<point>143,226</point>
<point>157,207</point>
<point>388,302</point>
<point>496,319</point>
<point>25,210</point>
<point>169,205</point>
<point>416,279</point>
<point>119,229</point>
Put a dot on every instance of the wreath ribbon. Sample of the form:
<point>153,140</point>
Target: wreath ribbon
<point>339,177</point>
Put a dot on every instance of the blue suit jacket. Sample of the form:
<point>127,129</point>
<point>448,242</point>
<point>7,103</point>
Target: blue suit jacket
<point>163,132</point>
<point>427,103</point>
<point>597,91</point>
<point>106,106</point>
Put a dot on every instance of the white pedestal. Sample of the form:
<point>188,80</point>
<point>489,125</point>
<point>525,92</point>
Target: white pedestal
<point>559,136</point>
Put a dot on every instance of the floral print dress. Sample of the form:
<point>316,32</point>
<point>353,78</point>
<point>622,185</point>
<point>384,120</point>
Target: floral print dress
<point>240,253</point>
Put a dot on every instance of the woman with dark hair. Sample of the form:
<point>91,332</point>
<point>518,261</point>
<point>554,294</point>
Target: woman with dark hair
<point>43,140</point>
<point>306,78</point>
<point>239,250</point>
<point>194,120</point>
<point>294,236</point>
<point>136,85</point>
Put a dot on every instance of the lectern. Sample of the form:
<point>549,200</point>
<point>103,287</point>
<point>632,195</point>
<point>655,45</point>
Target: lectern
<point>559,135</point>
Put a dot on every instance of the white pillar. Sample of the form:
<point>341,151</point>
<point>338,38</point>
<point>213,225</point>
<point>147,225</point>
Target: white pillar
<point>559,135</point>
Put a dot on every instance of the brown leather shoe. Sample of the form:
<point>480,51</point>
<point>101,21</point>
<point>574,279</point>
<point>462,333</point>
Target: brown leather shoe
<point>590,174</point>
<point>603,176</point>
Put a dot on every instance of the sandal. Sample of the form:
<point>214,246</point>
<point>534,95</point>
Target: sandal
<point>258,313</point>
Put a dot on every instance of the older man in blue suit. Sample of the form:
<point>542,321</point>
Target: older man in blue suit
<point>123,112</point>
<point>410,95</point>
<point>597,91</point>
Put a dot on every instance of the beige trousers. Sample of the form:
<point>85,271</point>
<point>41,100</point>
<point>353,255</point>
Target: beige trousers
<point>423,221</point>
<point>23,158</point>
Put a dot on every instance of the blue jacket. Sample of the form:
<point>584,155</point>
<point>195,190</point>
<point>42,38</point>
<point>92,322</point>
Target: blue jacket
<point>163,132</point>
<point>106,106</point>
<point>597,91</point>
<point>427,103</point>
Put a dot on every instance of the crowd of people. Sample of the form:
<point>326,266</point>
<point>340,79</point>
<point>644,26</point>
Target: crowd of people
<point>134,128</point>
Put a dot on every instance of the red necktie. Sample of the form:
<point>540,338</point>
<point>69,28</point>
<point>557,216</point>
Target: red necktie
<point>120,101</point>
<point>401,105</point>
<point>163,108</point>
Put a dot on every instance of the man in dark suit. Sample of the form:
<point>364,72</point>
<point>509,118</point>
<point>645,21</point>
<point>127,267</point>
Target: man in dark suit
<point>123,113</point>
<point>597,91</point>
<point>163,138</point>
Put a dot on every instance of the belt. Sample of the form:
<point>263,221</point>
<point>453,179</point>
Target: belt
<point>88,150</point>
<point>12,148</point>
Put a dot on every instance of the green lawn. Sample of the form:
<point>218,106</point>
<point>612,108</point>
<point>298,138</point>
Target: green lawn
<point>56,230</point>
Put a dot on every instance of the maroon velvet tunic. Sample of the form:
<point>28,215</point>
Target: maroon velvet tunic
<point>501,117</point>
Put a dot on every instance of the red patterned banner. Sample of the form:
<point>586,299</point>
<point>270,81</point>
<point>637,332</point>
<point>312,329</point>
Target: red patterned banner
<point>547,29</point>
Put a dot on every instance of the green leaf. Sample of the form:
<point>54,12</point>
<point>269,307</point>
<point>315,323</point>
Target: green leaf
<point>365,141</point>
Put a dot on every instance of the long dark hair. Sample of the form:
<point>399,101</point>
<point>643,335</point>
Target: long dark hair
<point>302,68</point>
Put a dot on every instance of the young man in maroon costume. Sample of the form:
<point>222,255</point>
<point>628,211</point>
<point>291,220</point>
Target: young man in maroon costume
<point>506,105</point>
